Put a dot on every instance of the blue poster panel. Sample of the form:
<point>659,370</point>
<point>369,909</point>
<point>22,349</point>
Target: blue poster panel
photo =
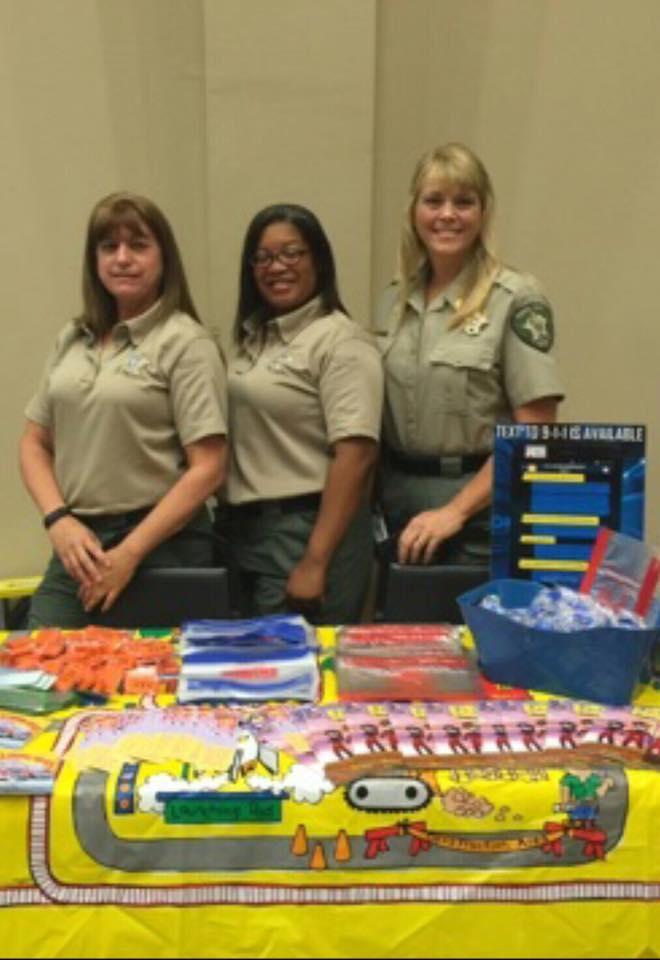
<point>555,484</point>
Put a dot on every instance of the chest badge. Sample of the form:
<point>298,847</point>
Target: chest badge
<point>279,363</point>
<point>476,323</point>
<point>135,362</point>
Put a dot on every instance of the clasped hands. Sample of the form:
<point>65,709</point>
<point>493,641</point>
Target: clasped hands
<point>101,574</point>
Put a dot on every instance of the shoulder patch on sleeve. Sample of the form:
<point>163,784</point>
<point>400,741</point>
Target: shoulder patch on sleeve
<point>532,322</point>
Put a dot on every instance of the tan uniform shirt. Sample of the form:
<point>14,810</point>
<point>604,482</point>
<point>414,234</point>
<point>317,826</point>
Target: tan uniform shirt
<point>296,388</point>
<point>120,416</point>
<point>445,388</point>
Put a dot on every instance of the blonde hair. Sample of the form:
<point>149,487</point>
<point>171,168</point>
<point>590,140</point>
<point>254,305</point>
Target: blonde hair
<point>457,165</point>
<point>135,212</point>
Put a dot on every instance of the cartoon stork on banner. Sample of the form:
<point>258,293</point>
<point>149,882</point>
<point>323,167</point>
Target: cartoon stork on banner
<point>249,753</point>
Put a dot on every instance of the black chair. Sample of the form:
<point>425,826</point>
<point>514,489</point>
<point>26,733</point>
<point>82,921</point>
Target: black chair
<point>165,596</point>
<point>425,594</point>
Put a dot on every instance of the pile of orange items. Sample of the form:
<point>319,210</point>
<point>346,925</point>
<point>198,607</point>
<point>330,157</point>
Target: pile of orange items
<point>96,660</point>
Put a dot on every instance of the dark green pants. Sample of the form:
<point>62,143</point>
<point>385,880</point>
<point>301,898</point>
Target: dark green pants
<point>56,602</point>
<point>404,495</point>
<point>266,546</point>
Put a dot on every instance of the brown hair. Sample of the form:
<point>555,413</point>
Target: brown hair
<point>134,212</point>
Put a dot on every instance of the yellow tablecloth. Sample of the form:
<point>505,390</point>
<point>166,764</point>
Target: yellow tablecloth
<point>289,848</point>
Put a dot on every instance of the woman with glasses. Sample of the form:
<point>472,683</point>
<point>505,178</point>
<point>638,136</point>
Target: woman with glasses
<point>305,398</point>
<point>466,342</point>
<point>125,437</point>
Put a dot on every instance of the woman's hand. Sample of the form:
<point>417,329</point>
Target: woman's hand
<point>346,487</point>
<point>426,531</point>
<point>206,460</point>
<point>305,587</point>
<point>75,544</point>
<point>121,564</point>
<point>79,550</point>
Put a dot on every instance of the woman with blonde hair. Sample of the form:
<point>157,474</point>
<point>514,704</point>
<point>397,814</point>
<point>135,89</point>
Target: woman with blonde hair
<point>466,341</point>
<point>125,437</point>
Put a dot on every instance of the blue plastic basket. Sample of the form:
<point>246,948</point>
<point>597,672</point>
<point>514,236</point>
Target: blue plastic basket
<point>602,664</point>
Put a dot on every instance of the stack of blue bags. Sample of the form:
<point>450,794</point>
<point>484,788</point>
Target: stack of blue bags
<point>265,658</point>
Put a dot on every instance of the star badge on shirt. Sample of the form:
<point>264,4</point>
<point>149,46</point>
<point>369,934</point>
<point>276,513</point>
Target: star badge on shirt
<point>476,323</point>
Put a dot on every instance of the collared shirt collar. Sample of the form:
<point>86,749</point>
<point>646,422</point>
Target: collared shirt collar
<point>451,296</point>
<point>288,325</point>
<point>137,328</point>
<point>86,333</point>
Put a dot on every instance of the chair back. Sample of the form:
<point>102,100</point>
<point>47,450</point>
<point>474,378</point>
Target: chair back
<point>426,594</point>
<point>166,596</point>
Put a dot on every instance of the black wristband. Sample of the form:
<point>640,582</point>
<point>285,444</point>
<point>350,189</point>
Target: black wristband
<point>55,515</point>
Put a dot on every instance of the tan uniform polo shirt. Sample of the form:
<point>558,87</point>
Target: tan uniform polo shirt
<point>296,388</point>
<point>120,417</point>
<point>445,388</point>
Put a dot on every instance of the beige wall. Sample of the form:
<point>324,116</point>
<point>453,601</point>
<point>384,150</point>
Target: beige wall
<point>216,107</point>
<point>95,96</point>
<point>289,108</point>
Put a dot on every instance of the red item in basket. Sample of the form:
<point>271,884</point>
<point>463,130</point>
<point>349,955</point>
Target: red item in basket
<point>623,573</point>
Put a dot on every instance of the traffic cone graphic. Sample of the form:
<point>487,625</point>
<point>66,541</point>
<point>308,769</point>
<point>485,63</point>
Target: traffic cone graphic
<point>318,861</point>
<point>299,844</point>
<point>342,847</point>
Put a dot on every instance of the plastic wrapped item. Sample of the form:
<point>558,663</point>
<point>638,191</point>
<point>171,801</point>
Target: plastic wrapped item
<point>32,700</point>
<point>437,638</point>
<point>35,679</point>
<point>287,680</point>
<point>22,773</point>
<point>280,630</point>
<point>560,608</point>
<point>92,661</point>
<point>404,662</point>
<point>600,663</point>
<point>411,676</point>
<point>266,658</point>
<point>623,575</point>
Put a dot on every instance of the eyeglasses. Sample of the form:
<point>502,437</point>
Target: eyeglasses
<point>289,256</point>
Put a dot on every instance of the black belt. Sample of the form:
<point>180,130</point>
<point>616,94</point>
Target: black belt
<point>112,521</point>
<point>450,466</point>
<point>304,501</point>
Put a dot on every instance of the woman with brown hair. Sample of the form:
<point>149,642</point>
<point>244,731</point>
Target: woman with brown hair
<point>125,438</point>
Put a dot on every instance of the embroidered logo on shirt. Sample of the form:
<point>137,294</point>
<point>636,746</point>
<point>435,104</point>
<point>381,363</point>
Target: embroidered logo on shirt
<point>134,363</point>
<point>532,322</point>
<point>286,360</point>
<point>278,364</point>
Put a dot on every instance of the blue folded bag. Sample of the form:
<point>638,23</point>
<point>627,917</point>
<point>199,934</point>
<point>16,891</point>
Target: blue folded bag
<point>603,664</point>
<point>286,631</point>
